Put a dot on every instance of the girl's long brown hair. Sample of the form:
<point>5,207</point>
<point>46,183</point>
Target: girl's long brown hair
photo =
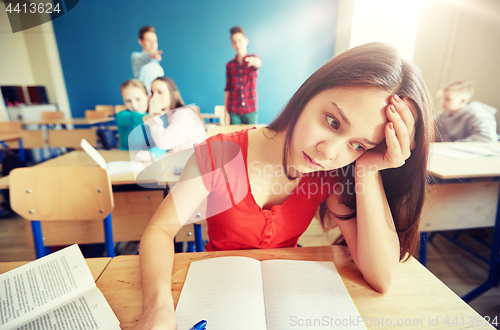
<point>176,100</point>
<point>374,65</point>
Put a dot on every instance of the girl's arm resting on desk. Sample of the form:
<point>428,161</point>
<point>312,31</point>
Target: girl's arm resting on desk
<point>157,248</point>
<point>371,236</point>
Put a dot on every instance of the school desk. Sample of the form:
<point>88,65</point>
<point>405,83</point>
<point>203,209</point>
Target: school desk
<point>80,158</point>
<point>132,212</point>
<point>96,265</point>
<point>418,300</point>
<point>68,121</point>
<point>209,116</point>
<point>468,198</point>
<point>8,137</point>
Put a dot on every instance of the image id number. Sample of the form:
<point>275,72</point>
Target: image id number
<point>33,8</point>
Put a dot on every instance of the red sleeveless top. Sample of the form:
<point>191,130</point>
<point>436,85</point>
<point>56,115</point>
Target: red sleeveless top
<point>235,221</point>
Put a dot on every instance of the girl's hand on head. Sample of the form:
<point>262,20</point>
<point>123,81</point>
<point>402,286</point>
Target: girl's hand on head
<point>399,137</point>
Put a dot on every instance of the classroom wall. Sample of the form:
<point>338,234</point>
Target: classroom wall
<point>456,40</point>
<point>15,67</point>
<point>96,38</point>
<point>459,40</point>
<point>345,13</point>
<point>31,57</point>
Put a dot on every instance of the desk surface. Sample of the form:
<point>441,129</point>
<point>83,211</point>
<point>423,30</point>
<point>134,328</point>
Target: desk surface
<point>68,121</point>
<point>80,158</point>
<point>416,295</point>
<point>96,265</point>
<point>450,168</point>
<point>10,136</point>
<point>209,115</point>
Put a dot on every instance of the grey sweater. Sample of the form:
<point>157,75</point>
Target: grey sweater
<point>473,123</point>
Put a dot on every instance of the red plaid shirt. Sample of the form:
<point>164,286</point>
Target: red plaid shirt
<point>241,83</point>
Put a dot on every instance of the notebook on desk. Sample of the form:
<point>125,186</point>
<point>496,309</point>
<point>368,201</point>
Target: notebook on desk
<point>113,168</point>
<point>246,294</point>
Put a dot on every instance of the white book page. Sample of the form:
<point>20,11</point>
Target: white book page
<point>120,167</point>
<point>88,311</point>
<point>308,294</point>
<point>35,288</point>
<point>226,292</point>
<point>453,153</point>
<point>93,153</point>
<point>495,149</point>
<point>472,148</point>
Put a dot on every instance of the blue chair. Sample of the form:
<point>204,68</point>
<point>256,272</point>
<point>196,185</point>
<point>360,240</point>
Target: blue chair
<point>42,193</point>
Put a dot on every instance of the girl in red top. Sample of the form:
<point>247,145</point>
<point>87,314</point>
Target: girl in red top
<point>348,131</point>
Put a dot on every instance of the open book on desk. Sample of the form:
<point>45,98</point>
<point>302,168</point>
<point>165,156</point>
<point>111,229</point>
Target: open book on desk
<point>113,168</point>
<point>244,293</point>
<point>54,292</point>
<point>466,150</point>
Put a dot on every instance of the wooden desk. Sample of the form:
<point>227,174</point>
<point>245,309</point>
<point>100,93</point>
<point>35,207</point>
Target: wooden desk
<point>417,296</point>
<point>80,158</point>
<point>6,137</point>
<point>462,203</point>
<point>448,168</point>
<point>10,136</point>
<point>68,121</point>
<point>132,212</point>
<point>205,115</point>
<point>96,265</point>
<point>448,204</point>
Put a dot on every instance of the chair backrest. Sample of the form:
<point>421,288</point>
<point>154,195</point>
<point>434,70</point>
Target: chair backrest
<point>10,127</point>
<point>71,138</point>
<point>93,114</point>
<point>61,193</point>
<point>51,115</point>
<point>220,112</point>
<point>31,140</point>
<point>109,110</point>
<point>119,108</point>
<point>216,129</point>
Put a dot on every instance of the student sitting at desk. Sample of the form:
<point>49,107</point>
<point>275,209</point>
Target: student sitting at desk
<point>342,143</point>
<point>184,127</point>
<point>136,99</point>
<point>462,120</point>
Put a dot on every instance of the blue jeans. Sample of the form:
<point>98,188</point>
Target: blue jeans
<point>248,118</point>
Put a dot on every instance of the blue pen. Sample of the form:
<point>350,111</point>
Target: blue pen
<point>200,325</point>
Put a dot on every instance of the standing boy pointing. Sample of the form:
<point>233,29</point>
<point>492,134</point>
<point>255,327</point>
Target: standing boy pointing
<point>240,96</point>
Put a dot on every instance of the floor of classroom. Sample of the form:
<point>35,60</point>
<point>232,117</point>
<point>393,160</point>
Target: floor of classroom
<point>460,271</point>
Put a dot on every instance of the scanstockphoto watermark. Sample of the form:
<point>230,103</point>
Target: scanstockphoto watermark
<point>309,189</point>
<point>353,321</point>
<point>430,322</point>
<point>256,169</point>
<point>260,184</point>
